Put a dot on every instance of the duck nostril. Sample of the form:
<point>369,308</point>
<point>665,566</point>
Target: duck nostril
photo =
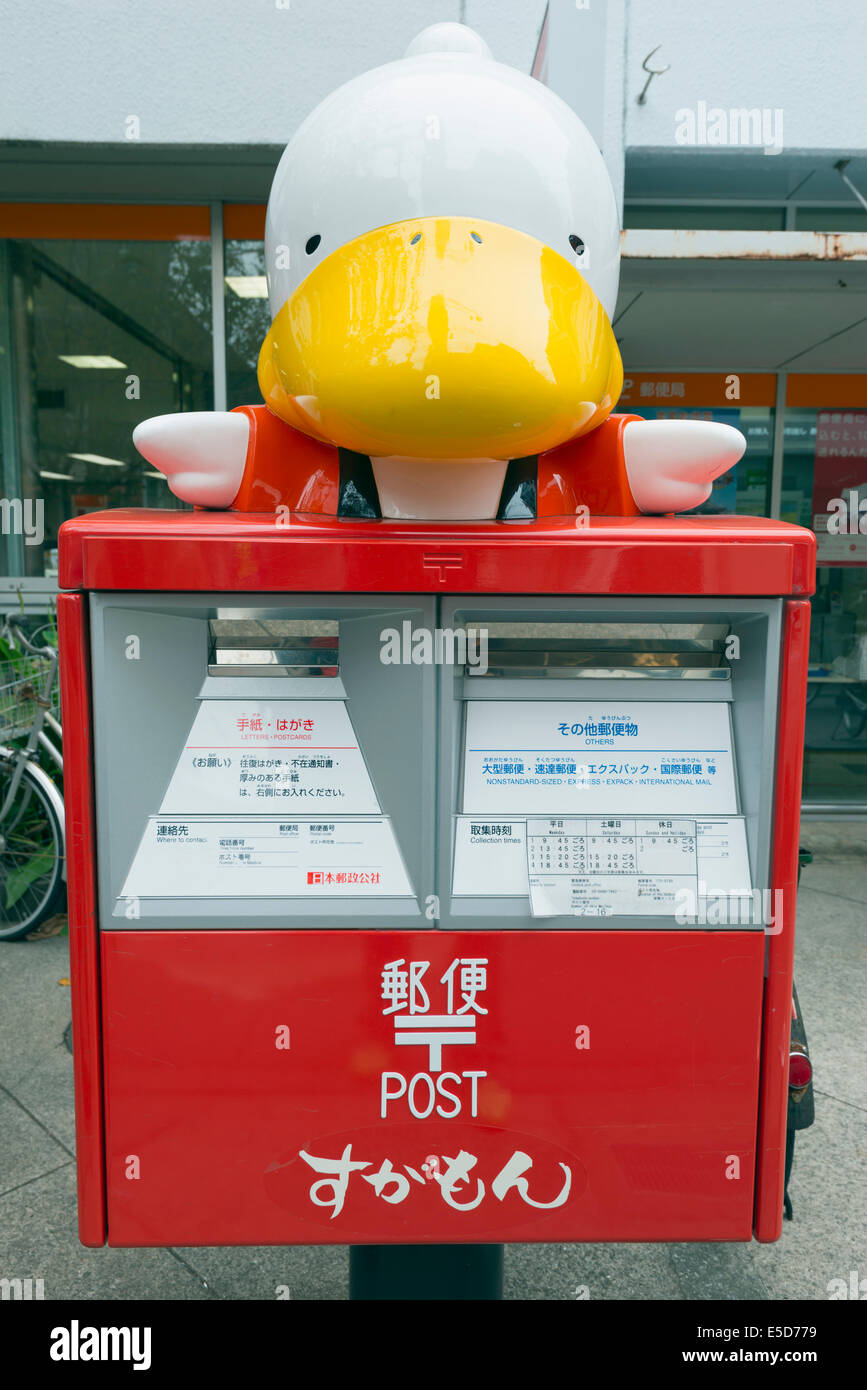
<point>312,243</point>
<point>475,236</point>
<point>414,239</point>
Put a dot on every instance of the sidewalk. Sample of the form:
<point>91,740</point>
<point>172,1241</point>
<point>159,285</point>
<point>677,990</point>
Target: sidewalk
<point>826,1240</point>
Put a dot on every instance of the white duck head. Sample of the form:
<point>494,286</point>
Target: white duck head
<point>442,253</point>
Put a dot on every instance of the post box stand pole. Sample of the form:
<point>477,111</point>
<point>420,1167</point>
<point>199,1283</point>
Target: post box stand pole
<point>415,1272</point>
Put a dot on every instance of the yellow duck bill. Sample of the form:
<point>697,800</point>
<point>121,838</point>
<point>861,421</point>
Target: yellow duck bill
<point>442,337</point>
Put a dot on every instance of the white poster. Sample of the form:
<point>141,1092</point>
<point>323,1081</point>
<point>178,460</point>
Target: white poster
<point>266,801</point>
<point>638,866</point>
<point>556,757</point>
<point>633,865</point>
<point>189,857</point>
<point>293,757</point>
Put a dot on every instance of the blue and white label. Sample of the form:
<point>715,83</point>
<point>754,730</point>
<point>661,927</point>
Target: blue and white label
<point>566,757</point>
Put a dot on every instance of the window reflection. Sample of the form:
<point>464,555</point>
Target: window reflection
<point>105,333</point>
<point>825,476</point>
<point>247,319</point>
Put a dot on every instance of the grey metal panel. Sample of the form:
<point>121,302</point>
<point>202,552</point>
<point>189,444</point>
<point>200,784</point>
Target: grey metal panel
<point>144,709</point>
<point>480,688</point>
<point>269,913</point>
<point>142,712</point>
<point>271,688</point>
<point>31,595</point>
<point>756,691</point>
<point>753,693</point>
<point>393,711</point>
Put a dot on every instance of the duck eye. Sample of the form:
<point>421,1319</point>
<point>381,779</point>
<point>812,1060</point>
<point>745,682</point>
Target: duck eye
<point>312,243</point>
<point>577,244</point>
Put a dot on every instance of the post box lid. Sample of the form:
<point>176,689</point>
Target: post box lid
<point>224,551</point>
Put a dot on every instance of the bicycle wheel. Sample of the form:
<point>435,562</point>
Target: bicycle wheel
<point>31,855</point>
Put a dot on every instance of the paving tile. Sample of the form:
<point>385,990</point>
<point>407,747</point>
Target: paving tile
<point>26,1150</point>
<point>39,1239</point>
<point>35,1008</point>
<point>827,1237</point>
<point>258,1272</point>
<point>831,979</point>
<point>46,1089</point>
<point>716,1271</point>
<point>576,1272</point>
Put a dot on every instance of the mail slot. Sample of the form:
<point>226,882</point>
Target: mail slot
<point>618,767</point>
<point>256,795</point>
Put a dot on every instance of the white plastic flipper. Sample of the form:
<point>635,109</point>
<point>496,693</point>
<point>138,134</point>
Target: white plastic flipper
<point>202,453</point>
<point>671,464</point>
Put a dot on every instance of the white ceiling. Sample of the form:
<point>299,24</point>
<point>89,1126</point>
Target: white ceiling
<point>743,315</point>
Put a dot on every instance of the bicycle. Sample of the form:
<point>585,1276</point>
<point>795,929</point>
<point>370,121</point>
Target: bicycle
<point>32,821</point>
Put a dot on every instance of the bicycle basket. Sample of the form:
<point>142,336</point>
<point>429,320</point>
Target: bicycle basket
<point>21,686</point>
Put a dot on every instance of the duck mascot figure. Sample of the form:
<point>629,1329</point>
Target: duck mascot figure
<point>442,251</point>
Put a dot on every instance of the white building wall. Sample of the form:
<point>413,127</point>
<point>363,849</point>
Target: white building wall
<point>805,57</point>
<point>211,72</point>
<point>219,72</point>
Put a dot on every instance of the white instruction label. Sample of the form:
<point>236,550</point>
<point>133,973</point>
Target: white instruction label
<point>490,858</point>
<point>187,857</point>
<point>565,757</point>
<point>257,756</point>
<point>641,866</point>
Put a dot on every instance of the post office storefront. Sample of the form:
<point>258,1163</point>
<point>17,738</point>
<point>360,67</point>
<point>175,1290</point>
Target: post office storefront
<point>111,312</point>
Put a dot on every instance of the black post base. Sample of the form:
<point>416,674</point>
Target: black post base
<point>426,1272</point>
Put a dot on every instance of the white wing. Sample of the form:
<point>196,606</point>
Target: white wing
<point>201,452</point>
<point>671,464</point>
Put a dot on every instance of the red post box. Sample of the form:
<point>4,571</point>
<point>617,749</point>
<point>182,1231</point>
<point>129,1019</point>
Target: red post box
<point>375,941</point>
